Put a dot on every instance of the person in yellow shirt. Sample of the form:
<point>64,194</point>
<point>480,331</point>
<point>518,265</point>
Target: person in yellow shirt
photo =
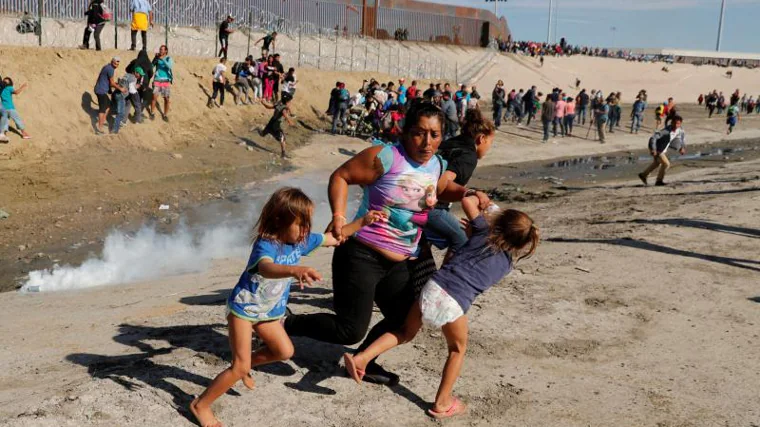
<point>142,19</point>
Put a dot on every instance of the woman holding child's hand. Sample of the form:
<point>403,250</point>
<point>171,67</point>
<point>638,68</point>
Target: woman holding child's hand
<point>371,266</point>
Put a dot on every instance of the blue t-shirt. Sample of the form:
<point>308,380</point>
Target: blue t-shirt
<point>402,94</point>
<point>6,96</point>
<point>259,299</point>
<point>103,85</point>
<point>474,268</point>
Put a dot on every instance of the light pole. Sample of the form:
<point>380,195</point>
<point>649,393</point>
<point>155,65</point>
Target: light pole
<point>549,25</point>
<point>613,29</point>
<point>556,20</point>
<point>720,23</point>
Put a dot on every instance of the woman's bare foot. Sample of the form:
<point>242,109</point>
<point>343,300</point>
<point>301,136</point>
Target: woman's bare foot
<point>204,416</point>
<point>249,382</point>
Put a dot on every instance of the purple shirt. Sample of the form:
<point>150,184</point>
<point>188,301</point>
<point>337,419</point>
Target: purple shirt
<point>474,268</point>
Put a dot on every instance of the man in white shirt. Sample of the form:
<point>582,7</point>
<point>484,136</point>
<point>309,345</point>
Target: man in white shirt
<point>218,82</point>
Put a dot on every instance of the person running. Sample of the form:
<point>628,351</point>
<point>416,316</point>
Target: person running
<point>498,100</point>
<point>670,137</point>
<point>162,84</point>
<point>258,300</point>
<point>373,265</point>
<point>547,116</point>
<point>268,40</point>
<point>274,127</point>
<point>9,109</point>
<point>732,118</point>
<point>218,81</point>
<point>96,20</point>
<point>103,86</point>
<point>637,114</point>
<point>497,242</point>
<point>711,102</point>
<point>461,154</point>
<point>659,113</point>
<point>569,115</point>
<point>224,35</point>
<point>142,19</point>
<point>529,100</point>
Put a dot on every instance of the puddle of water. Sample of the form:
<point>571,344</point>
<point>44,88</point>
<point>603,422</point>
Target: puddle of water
<point>579,171</point>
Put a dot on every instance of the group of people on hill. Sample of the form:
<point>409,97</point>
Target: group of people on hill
<point>140,87</point>
<point>383,256</point>
<point>252,80</point>
<point>541,49</point>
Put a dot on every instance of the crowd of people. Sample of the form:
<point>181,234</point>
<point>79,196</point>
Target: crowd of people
<point>379,109</point>
<point>736,106</point>
<point>540,49</point>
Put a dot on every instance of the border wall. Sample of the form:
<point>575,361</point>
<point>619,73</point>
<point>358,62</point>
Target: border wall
<point>371,18</point>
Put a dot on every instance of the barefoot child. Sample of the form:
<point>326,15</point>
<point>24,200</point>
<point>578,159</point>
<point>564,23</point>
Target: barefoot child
<point>274,127</point>
<point>257,303</point>
<point>10,112</point>
<point>732,118</point>
<point>494,246</point>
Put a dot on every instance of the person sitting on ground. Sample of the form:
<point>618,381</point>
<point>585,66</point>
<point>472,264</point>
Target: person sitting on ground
<point>497,242</point>
<point>9,109</point>
<point>274,126</point>
<point>669,137</point>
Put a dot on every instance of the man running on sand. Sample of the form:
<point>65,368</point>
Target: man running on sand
<point>670,137</point>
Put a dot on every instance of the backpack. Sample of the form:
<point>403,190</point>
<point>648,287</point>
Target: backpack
<point>107,14</point>
<point>659,110</point>
<point>237,67</point>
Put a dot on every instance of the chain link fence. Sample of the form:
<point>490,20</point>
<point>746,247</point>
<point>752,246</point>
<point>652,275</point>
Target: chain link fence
<point>301,44</point>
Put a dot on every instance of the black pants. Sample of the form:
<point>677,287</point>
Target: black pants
<point>361,276</point>
<point>96,33</point>
<point>223,42</point>
<point>144,35</point>
<point>218,88</point>
<point>529,112</point>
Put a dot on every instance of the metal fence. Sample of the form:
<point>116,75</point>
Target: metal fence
<point>312,16</point>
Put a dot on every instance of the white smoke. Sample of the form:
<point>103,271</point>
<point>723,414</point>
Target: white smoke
<point>150,255</point>
<point>146,256</point>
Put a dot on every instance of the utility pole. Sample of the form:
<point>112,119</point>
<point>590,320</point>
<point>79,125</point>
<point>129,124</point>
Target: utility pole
<point>720,23</point>
<point>549,24</point>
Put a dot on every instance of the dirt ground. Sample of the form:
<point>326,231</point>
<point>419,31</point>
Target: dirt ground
<point>640,308</point>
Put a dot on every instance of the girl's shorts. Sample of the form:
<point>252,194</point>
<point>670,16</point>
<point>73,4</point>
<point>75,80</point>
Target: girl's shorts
<point>731,121</point>
<point>437,306</point>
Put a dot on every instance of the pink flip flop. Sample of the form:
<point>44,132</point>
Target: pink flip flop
<point>457,408</point>
<point>354,372</point>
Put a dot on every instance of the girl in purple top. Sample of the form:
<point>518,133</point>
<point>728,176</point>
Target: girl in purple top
<point>495,244</point>
<point>373,266</point>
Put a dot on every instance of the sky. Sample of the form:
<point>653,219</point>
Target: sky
<point>682,24</point>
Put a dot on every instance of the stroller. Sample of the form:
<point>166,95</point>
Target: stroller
<point>359,123</point>
<point>29,25</point>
